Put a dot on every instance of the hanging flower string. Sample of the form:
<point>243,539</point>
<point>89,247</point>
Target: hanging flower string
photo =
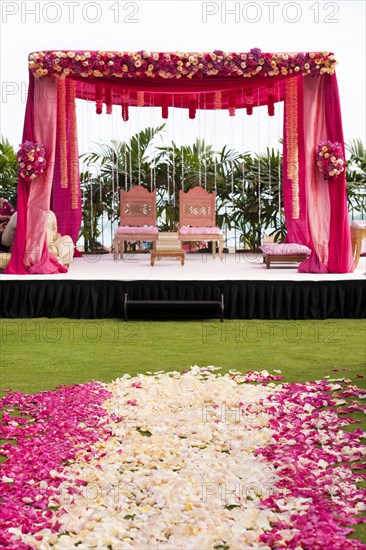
<point>291,124</point>
<point>144,64</point>
<point>62,131</point>
<point>31,159</point>
<point>74,161</point>
<point>330,159</point>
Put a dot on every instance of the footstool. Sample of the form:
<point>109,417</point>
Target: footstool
<point>285,253</point>
<point>167,246</point>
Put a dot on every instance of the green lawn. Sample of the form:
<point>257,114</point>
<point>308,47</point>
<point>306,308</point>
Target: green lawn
<point>39,354</point>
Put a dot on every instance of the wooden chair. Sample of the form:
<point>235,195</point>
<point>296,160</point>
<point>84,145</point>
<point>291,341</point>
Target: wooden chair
<point>137,218</point>
<point>197,218</point>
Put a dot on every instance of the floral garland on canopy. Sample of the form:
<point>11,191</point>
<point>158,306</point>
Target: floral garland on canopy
<point>166,65</point>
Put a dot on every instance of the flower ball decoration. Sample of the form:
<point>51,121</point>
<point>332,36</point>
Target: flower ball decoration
<point>330,159</point>
<point>31,160</point>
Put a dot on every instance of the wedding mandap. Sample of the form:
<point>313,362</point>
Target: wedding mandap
<point>313,174</point>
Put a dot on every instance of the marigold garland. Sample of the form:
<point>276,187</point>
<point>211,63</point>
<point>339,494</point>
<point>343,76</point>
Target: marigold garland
<point>291,124</point>
<point>61,116</point>
<point>74,158</point>
<point>170,65</point>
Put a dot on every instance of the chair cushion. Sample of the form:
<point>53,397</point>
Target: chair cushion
<point>284,249</point>
<point>130,230</point>
<point>359,224</point>
<point>186,230</point>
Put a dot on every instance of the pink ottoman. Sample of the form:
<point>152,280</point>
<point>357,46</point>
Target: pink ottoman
<point>285,253</point>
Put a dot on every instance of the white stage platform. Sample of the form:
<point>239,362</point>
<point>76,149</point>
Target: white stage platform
<point>197,267</point>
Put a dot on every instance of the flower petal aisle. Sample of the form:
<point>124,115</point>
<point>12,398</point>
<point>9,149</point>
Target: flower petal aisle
<point>183,460</point>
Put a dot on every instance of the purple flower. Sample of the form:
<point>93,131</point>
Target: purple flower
<point>256,53</point>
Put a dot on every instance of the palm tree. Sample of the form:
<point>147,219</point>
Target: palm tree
<point>109,168</point>
<point>356,148</point>
<point>8,171</point>
<point>249,192</point>
<point>186,166</point>
<point>172,168</point>
<point>256,203</point>
<point>236,178</point>
<point>356,177</point>
<point>130,163</point>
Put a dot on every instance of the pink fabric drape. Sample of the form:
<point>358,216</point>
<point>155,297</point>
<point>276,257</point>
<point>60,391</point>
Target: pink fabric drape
<point>30,253</point>
<point>322,223</point>
<point>318,211</point>
<point>234,91</point>
<point>340,248</point>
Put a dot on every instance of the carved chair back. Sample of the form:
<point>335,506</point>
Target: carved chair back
<point>197,208</point>
<point>138,207</point>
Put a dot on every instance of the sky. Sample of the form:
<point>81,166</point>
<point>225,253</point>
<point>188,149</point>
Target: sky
<point>193,25</point>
